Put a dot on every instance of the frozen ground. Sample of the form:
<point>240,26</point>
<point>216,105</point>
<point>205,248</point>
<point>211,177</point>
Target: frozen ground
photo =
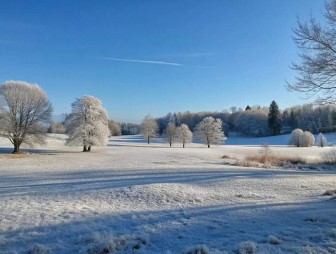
<point>131,197</point>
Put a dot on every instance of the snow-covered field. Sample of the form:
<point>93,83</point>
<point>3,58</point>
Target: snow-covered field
<point>131,197</point>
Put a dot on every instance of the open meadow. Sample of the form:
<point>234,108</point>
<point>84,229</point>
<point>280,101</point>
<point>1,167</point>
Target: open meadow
<point>131,197</point>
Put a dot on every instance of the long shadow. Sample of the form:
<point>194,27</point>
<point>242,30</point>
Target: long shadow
<point>219,227</point>
<point>51,183</point>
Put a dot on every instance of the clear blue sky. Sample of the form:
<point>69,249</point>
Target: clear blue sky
<point>188,55</point>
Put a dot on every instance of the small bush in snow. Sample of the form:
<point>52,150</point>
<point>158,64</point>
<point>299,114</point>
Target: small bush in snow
<point>295,137</point>
<point>321,140</point>
<point>329,156</point>
<point>39,249</point>
<point>199,249</point>
<point>330,193</point>
<point>109,244</point>
<point>248,247</point>
<point>301,139</point>
<point>307,139</point>
<point>273,239</point>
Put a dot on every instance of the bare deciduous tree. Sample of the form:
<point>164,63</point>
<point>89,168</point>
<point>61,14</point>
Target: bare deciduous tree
<point>209,130</point>
<point>149,128</point>
<point>25,113</point>
<point>87,125</point>
<point>184,134</point>
<point>316,74</point>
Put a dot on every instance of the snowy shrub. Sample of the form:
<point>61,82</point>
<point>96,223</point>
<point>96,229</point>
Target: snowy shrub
<point>273,239</point>
<point>329,156</point>
<point>273,159</point>
<point>39,249</point>
<point>248,247</point>
<point>295,137</point>
<point>301,139</point>
<point>321,140</point>
<point>199,249</point>
<point>330,193</point>
<point>109,244</point>
<point>307,139</point>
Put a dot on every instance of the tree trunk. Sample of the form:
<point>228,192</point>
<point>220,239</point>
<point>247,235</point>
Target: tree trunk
<point>183,144</point>
<point>208,145</point>
<point>148,140</point>
<point>84,148</point>
<point>170,144</point>
<point>16,146</point>
<point>89,148</point>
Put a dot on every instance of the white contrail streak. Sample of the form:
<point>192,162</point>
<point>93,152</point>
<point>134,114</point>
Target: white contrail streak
<point>142,61</point>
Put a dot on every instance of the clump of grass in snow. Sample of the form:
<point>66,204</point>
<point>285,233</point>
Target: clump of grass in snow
<point>266,156</point>
<point>226,156</point>
<point>330,193</point>
<point>248,247</point>
<point>272,239</point>
<point>329,156</point>
<point>108,244</point>
<point>199,249</point>
<point>39,249</point>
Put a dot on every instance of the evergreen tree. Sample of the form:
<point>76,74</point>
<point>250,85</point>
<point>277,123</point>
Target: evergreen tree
<point>274,118</point>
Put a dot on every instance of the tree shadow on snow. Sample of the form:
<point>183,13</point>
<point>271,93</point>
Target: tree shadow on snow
<point>173,231</point>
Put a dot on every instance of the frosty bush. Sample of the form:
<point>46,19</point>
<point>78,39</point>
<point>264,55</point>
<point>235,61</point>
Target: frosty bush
<point>199,249</point>
<point>273,239</point>
<point>301,139</point>
<point>307,139</point>
<point>39,249</point>
<point>321,140</point>
<point>329,156</point>
<point>295,137</point>
<point>248,247</point>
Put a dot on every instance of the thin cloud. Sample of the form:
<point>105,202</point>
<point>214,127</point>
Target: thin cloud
<point>142,61</point>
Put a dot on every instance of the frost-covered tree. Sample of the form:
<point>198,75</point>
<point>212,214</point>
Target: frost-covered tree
<point>274,118</point>
<point>321,140</point>
<point>25,113</point>
<point>209,130</point>
<point>295,137</point>
<point>87,125</point>
<point>149,128</point>
<point>171,133</point>
<point>300,138</point>
<point>316,74</point>
<point>115,129</point>
<point>184,135</point>
<point>307,139</point>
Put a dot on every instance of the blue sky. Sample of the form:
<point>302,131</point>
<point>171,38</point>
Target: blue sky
<point>154,56</point>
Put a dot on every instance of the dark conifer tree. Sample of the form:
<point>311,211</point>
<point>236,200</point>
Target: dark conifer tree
<point>274,118</point>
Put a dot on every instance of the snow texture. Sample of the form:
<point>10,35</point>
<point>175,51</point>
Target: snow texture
<point>131,197</point>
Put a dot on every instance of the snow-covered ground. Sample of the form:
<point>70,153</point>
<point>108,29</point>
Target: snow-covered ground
<point>131,197</point>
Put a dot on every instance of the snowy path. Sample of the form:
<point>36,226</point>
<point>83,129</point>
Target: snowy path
<point>134,198</point>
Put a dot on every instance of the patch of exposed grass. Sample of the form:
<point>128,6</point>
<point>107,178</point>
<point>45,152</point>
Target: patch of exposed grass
<point>276,160</point>
<point>14,156</point>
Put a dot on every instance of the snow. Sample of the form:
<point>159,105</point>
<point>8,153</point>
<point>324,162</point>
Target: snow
<point>130,197</point>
